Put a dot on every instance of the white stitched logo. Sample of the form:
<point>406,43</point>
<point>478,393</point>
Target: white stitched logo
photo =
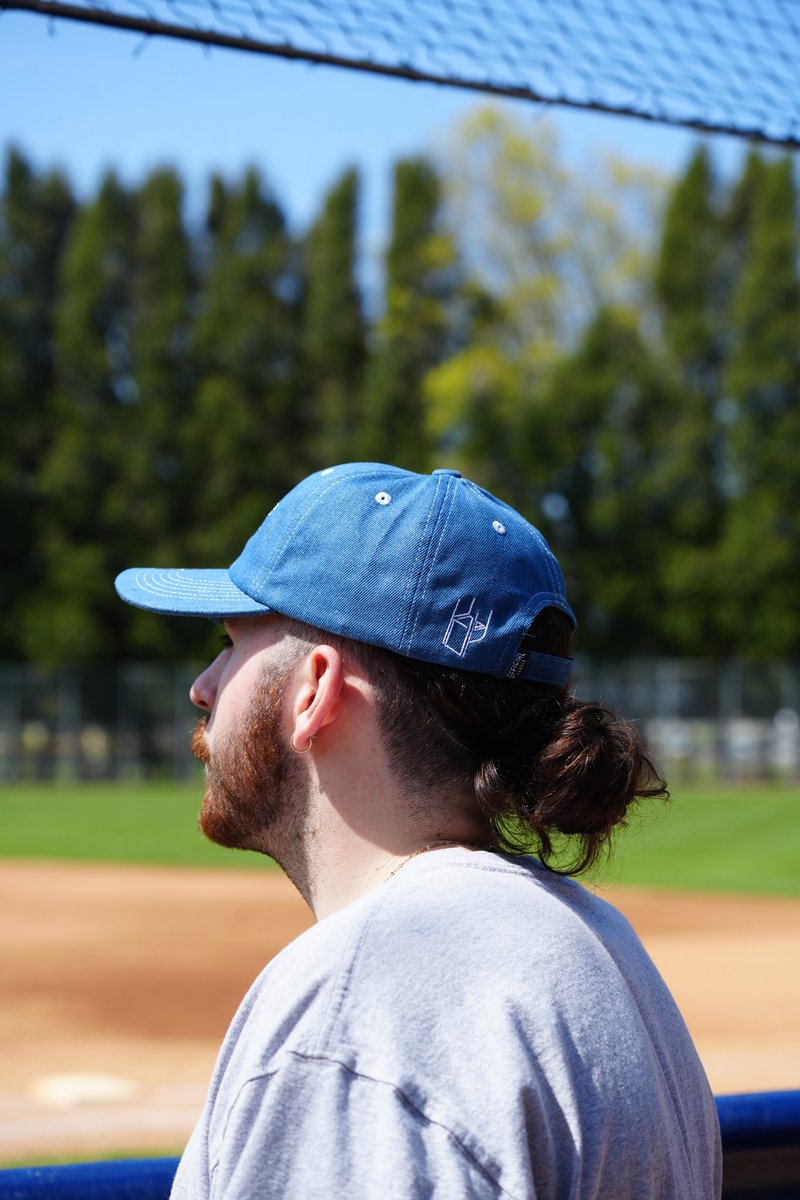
<point>466,628</point>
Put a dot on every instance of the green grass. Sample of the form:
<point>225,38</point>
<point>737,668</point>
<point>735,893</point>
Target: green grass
<point>714,838</point>
<point>111,822</point>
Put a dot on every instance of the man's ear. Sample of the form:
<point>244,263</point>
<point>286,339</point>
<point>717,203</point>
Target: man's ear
<point>317,687</point>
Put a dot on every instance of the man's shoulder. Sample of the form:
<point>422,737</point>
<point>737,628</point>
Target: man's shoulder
<point>499,939</point>
<point>452,907</point>
<point>478,924</point>
<point>493,899</point>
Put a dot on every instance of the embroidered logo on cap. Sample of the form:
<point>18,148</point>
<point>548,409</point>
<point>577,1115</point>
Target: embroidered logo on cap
<point>466,627</point>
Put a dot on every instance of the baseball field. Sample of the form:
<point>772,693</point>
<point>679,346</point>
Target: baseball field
<point>127,941</point>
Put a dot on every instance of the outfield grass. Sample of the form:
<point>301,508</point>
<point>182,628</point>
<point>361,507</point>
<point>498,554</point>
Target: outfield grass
<point>733,839</point>
<point>111,822</point>
<point>715,838</point>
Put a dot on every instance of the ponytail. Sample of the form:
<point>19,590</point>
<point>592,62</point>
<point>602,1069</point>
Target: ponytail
<point>564,769</point>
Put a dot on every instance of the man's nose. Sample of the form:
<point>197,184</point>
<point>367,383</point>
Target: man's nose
<point>203,691</point>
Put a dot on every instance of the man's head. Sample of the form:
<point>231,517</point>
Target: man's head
<point>412,631</point>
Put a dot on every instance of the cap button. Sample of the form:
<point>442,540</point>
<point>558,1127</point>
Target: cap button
<point>447,471</point>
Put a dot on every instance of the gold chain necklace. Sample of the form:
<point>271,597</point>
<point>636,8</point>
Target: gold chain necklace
<point>435,846</point>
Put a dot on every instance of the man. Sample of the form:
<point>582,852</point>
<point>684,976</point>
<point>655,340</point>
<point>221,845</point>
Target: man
<point>389,719</point>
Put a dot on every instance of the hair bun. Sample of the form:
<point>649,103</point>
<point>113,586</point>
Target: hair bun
<point>586,776</point>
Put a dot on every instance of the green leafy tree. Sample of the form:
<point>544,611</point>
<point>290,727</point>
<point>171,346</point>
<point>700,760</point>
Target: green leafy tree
<point>35,215</point>
<point>549,244</point>
<point>334,327</point>
<point>481,408</point>
<point>544,248</point>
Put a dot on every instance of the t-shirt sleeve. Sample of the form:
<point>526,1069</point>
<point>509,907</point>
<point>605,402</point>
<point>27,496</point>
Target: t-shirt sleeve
<point>316,1129</point>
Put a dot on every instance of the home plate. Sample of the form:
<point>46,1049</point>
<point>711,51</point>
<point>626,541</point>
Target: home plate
<point>77,1088</point>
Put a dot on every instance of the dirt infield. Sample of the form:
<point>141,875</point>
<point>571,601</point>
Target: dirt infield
<point>119,983</point>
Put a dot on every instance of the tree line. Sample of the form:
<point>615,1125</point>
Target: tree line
<point>617,357</point>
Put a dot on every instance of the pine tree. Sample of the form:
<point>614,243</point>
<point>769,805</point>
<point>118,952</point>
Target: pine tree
<point>691,285</point>
<point>687,277</point>
<point>155,484</point>
<point>35,215</point>
<point>737,219</point>
<point>604,421</point>
<point>334,330</point>
<point>244,441</point>
<point>74,614</point>
<point>415,330</point>
<point>763,382</point>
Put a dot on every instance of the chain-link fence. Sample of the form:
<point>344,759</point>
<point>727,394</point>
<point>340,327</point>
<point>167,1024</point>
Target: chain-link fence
<point>124,722</point>
<point>133,721</point>
<point>729,65</point>
<point>737,720</point>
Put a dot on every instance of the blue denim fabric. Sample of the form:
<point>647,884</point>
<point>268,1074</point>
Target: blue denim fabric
<point>430,566</point>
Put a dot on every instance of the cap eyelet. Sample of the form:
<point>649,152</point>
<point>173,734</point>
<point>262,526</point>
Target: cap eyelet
<point>383,498</point>
<point>498,527</point>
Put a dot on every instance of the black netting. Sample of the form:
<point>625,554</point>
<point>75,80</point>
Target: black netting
<point>731,65</point>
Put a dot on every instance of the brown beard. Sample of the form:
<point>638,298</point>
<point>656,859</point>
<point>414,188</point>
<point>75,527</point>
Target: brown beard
<point>253,793</point>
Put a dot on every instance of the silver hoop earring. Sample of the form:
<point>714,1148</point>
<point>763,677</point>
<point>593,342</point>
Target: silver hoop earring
<point>308,747</point>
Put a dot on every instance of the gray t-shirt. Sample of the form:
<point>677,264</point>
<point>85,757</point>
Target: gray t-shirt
<point>475,1027</point>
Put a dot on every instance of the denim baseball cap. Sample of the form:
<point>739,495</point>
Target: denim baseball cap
<point>430,566</point>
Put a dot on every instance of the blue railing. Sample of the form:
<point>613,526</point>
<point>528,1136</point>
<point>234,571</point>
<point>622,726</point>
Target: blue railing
<point>126,1179</point>
<point>760,1144</point>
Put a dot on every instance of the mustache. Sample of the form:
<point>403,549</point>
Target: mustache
<point>198,743</point>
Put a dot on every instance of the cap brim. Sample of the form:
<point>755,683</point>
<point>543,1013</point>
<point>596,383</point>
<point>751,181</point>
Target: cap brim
<point>186,593</point>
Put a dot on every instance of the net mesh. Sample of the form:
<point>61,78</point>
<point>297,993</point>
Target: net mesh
<point>717,65</point>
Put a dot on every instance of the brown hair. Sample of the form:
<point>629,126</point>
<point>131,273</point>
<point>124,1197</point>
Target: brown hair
<point>540,762</point>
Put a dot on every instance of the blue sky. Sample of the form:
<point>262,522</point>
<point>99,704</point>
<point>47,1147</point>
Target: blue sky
<point>86,98</point>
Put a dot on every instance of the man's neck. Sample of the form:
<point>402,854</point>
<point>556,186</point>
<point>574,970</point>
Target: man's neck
<point>343,860</point>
